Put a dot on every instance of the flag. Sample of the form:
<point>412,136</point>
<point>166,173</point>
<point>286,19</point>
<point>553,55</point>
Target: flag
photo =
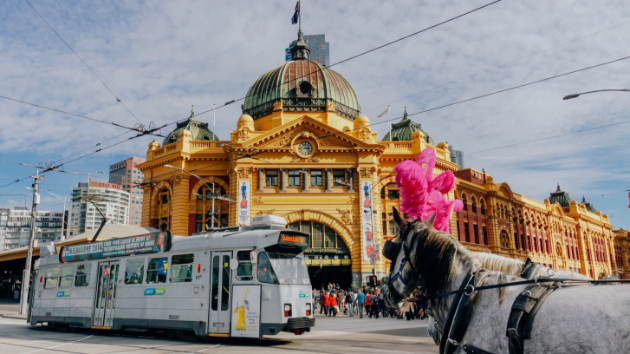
<point>296,15</point>
<point>384,113</point>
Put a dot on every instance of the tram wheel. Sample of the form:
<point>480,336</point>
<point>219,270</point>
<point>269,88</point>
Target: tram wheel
<point>171,334</point>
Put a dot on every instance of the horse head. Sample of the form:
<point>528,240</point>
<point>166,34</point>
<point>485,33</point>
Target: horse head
<point>421,258</point>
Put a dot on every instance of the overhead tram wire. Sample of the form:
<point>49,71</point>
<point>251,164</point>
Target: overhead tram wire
<point>550,137</point>
<point>344,60</point>
<point>84,63</point>
<point>150,131</point>
<point>505,90</point>
<point>495,67</point>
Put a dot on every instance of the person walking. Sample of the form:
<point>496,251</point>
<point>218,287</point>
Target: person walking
<point>381,304</point>
<point>322,307</point>
<point>368,304</point>
<point>326,303</point>
<point>374,304</point>
<point>349,304</point>
<point>360,301</point>
<point>333,306</point>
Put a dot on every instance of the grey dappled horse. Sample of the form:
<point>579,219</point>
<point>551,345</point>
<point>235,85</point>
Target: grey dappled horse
<point>574,319</point>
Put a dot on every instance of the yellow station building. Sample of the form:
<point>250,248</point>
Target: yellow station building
<point>303,151</point>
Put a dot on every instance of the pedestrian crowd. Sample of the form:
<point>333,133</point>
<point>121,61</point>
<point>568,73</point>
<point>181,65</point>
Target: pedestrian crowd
<point>333,300</point>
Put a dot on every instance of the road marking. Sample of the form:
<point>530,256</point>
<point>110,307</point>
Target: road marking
<point>60,345</point>
<point>214,346</point>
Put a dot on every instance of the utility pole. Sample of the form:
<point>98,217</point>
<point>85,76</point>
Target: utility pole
<point>26,278</point>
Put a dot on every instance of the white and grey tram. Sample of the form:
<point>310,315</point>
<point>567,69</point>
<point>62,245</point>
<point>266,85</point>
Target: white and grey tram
<point>234,282</point>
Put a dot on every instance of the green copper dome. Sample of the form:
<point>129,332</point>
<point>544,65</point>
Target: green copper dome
<point>301,85</point>
<point>588,205</point>
<point>198,130</point>
<point>403,130</point>
<point>560,197</point>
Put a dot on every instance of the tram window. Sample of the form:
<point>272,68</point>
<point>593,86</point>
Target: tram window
<point>215,282</point>
<point>52,278</point>
<point>181,268</point>
<point>134,272</point>
<point>265,272</point>
<point>244,270</point>
<point>156,271</point>
<point>67,275</point>
<point>289,268</point>
<point>83,275</point>
<point>225,294</point>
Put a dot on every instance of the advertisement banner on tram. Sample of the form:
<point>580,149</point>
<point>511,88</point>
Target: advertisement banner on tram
<point>148,243</point>
<point>245,311</point>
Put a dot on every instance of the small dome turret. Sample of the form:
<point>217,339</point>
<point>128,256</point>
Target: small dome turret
<point>197,129</point>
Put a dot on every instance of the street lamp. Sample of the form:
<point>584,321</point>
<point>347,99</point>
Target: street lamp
<point>575,95</point>
<point>204,182</point>
<point>63,237</point>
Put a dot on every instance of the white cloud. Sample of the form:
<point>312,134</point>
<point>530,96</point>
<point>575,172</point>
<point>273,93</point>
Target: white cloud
<point>162,57</point>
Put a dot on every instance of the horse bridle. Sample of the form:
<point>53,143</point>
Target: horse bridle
<point>391,250</point>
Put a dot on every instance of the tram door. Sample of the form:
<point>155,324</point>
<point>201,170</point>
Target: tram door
<point>220,315</point>
<point>105,294</point>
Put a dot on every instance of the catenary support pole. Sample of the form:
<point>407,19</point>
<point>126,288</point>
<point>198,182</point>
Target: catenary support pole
<point>26,278</point>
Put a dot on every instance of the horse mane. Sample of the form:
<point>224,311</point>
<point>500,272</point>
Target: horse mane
<point>498,263</point>
<point>435,253</point>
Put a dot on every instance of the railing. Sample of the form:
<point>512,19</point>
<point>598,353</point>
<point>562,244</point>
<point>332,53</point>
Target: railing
<point>158,152</point>
<point>397,144</point>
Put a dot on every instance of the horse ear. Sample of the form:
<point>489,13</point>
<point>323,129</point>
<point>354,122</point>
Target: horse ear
<point>400,221</point>
<point>431,220</point>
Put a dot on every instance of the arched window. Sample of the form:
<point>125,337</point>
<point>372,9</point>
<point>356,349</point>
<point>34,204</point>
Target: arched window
<point>322,236</point>
<point>505,242</point>
<point>483,206</point>
<point>205,196</point>
<point>473,202</point>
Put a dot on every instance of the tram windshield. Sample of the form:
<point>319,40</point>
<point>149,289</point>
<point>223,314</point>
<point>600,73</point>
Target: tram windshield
<point>286,268</point>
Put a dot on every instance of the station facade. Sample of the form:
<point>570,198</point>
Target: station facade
<point>302,150</point>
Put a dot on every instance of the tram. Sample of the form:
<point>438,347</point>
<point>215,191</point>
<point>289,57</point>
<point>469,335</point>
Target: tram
<point>233,282</point>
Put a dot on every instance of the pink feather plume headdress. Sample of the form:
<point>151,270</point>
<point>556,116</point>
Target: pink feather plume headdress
<point>422,195</point>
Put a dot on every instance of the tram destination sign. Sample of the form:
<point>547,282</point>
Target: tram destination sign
<point>294,239</point>
<point>147,243</point>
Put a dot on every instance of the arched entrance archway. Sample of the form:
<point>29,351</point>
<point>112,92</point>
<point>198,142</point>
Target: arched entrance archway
<point>328,257</point>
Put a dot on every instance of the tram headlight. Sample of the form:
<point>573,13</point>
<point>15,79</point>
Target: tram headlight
<point>308,309</point>
<point>287,310</point>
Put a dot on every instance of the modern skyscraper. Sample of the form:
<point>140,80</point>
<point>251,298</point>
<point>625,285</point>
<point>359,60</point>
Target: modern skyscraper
<point>320,49</point>
<point>126,175</point>
<point>112,201</point>
<point>457,156</point>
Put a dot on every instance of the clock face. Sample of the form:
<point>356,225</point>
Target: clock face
<point>305,148</point>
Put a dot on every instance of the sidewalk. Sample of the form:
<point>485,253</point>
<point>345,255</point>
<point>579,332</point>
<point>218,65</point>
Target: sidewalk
<point>10,309</point>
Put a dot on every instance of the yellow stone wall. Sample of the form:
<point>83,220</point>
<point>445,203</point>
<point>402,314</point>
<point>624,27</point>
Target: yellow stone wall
<point>271,143</point>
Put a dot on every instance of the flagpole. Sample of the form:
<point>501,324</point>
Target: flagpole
<point>390,124</point>
<point>300,16</point>
<point>214,119</point>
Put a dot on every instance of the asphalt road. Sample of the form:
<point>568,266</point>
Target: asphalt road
<point>330,335</point>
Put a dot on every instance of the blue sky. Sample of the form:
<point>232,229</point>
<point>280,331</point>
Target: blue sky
<point>161,57</point>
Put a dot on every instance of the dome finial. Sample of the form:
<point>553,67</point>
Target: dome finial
<point>192,111</point>
<point>558,190</point>
<point>300,50</point>
<point>405,116</point>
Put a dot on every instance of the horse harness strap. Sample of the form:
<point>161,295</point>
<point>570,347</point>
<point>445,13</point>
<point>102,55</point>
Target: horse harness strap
<point>522,315</point>
<point>529,269</point>
<point>459,315</point>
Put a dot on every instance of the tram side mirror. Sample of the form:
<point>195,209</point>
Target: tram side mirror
<point>253,257</point>
<point>233,264</point>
